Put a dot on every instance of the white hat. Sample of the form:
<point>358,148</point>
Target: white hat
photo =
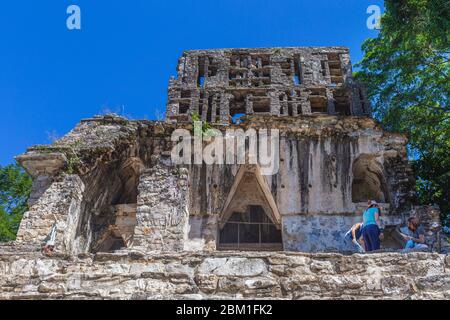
<point>373,203</point>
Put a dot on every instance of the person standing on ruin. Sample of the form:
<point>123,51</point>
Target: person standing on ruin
<point>371,230</point>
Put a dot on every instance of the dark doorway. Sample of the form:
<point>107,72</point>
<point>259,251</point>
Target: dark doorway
<point>251,230</point>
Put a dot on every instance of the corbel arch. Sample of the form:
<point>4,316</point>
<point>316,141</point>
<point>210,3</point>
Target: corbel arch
<point>250,218</point>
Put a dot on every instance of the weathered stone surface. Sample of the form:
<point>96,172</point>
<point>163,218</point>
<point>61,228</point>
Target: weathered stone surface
<point>239,267</point>
<point>162,215</point>
<point>59,206</point>
<point>217,84</point>
<point>225,275</point>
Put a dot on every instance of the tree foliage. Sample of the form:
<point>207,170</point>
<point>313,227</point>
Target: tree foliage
<point>406,71</point>
<point>15,187</point>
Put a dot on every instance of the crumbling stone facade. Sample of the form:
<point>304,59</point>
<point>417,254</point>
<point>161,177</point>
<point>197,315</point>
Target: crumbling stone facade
<point>110,185</point>
<point>220,84</point>
<point>109,162</point>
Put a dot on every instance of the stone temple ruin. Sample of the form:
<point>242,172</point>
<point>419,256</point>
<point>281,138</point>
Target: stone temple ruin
<point>110,187</point>
<point>109,183</point>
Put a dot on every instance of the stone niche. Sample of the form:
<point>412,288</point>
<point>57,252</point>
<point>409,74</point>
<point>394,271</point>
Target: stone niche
<point>368,180</point>
<point>109,208</point>
<point>119,234</point>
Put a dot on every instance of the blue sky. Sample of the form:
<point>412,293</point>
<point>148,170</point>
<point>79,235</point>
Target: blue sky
<point>122,59</point>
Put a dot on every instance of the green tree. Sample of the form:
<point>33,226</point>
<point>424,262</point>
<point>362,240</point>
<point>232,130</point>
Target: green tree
<point>15,187</point>
<point>406,71</point>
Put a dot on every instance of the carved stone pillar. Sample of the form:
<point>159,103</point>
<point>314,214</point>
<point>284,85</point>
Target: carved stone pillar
<point>249,104</point>
<point>274,103</point>
<point>284,105</point>
<point>214,106</point>
<point>195,101</point>
<point>162,210</point>
<point>173,104</point>
<point>205,106</point>
<point>331,108</point>
<point>225,99</point>
<point>295,103</point>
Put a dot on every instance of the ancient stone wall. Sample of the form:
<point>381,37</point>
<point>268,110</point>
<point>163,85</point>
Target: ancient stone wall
<point>230,275</point>
<point>321,160</point>
<point>117,161</point>
<point>59,206</point>
<point>317,155</point>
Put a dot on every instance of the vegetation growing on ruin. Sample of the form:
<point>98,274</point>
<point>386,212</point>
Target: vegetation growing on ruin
<point>205,124</point>
<point>72,162</point>
<point>407,72</point>
<point>15,187</point>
